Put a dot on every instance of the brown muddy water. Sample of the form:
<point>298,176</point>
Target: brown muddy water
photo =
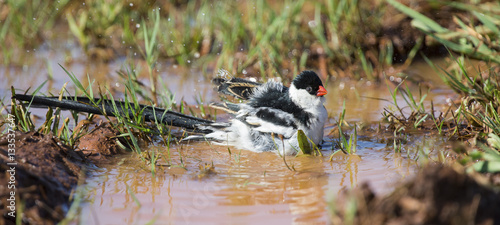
<point>218,187</point>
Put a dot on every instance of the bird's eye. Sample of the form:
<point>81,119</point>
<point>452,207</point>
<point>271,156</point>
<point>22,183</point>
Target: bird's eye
<point>309,89</point>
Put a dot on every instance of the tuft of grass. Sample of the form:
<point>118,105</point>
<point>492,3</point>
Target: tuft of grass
<point>22,116</point>
<point>475,118</point>
<point>94,25</point>
<point>347,145</point>
<point>480,101</point>
<point>150,52</point>
<point>477,41</point>
<point>131,126</point>
<point>418,117</point>
<point>134,131</point>
<point>24,23</point>
<point>54,124</point>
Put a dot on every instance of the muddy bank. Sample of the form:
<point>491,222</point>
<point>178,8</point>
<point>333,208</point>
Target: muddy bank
<point>43,173</point>
<point>437,195</point>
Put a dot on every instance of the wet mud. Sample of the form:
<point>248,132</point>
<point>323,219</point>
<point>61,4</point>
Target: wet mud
<point>43,173</point>
<point>100,142</point>
<point>437,195</point>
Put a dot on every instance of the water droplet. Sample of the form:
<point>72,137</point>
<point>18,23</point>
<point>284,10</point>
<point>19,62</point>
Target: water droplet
<point>83,3</point>
<point>137,25</point>
<point>244,71</point>
<point>135,53</point>
<point>197,55</point>
<point>57,9</point>
<point>131,4</point>
<point>34,18</point>
<point>168,19</point>
<point>312,24</point>
<point>189,61</point>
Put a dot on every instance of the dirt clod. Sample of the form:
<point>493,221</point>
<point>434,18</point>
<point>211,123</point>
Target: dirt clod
<point>101,141</point>
<point>45,173</point>
<point>437,195</point>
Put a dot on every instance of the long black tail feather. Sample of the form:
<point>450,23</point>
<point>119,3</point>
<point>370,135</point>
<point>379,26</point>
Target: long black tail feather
<point>106,107</point>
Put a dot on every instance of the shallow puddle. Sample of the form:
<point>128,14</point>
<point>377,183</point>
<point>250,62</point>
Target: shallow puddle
<point>244,186</point>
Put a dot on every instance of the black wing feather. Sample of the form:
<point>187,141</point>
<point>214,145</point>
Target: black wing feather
<point>280,99</point>
<point>237,87</point>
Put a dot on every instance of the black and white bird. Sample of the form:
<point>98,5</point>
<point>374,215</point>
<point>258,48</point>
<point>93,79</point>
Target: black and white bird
<point>272,114</point>
<point>268,120</point>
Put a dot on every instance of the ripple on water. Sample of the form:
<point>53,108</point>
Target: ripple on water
<point>247,186</point>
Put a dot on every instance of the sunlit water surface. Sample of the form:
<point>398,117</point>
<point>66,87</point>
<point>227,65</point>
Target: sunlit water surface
<point>243,188</point>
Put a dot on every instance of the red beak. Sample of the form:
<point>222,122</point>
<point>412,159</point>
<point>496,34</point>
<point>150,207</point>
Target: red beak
<point>322,91</point>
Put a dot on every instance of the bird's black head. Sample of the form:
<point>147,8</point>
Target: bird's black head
<point>309,81</point>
